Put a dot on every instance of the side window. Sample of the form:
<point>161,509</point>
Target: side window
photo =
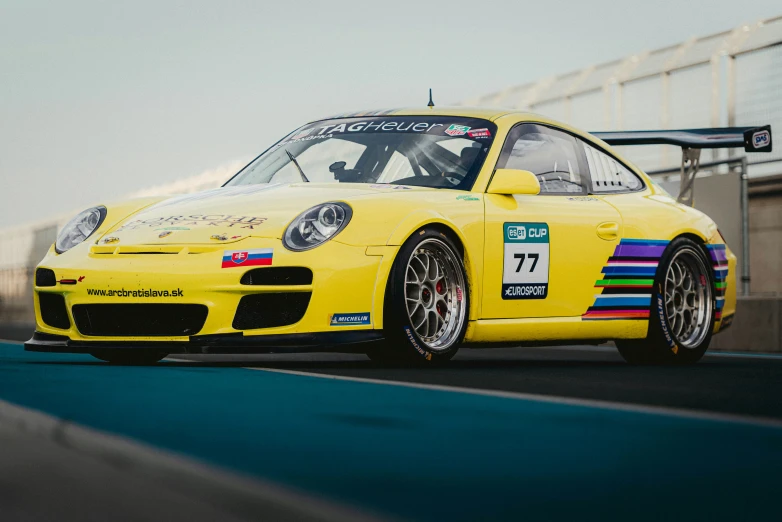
<point>549,154</point>
<point>608,175</point>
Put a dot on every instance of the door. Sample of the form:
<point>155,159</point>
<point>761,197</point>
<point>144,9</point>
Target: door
<point>544,253</point>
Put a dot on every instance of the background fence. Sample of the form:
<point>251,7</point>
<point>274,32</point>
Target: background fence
<point>724,79</point>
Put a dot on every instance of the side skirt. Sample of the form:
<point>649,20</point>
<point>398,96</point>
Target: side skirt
<point>553,330</point>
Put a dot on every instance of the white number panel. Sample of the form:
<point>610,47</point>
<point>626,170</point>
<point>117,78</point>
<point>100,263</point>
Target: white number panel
<point>525,269</point>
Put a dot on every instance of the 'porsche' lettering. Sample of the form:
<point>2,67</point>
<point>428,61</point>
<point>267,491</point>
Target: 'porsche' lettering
<point>215,220</point>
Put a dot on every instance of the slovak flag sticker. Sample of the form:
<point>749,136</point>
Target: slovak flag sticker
<point>253,257</point>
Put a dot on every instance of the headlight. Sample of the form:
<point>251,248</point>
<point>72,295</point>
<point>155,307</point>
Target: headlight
<point>79,228</point>
<point>316,225</point>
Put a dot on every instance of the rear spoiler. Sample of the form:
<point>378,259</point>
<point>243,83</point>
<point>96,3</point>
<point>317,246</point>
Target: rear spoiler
<point>753,139</point>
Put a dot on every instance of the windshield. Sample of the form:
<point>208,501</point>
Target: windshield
<point>435,151</point>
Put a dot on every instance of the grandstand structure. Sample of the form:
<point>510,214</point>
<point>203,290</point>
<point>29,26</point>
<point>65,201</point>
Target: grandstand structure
<point>731,78</point>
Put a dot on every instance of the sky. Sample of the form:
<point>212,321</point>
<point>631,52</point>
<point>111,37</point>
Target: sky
<point>102,99</point>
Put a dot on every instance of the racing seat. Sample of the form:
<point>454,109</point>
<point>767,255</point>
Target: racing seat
<point>467,157</point>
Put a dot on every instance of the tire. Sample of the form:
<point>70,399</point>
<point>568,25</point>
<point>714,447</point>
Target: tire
<point>426,304</point>
<point>681,318</point>
<point>130,356</point>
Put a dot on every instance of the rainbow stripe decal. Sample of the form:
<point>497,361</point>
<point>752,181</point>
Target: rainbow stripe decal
<point>628,280</point>
<point>719,261</point>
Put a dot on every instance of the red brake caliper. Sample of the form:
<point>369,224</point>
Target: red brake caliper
<point>440,306</point>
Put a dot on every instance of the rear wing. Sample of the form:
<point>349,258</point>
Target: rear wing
<point>752,139</point>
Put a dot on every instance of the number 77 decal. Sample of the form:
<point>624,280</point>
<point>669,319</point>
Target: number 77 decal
<point>526,263</point>
<point>534,257</point>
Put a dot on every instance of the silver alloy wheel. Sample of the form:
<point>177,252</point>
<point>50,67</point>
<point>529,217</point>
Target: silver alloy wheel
<point>688,298</point>
<point>435,294</point>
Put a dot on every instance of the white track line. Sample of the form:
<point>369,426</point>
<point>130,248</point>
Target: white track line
<point>747,355</point>
<point>552,399</point>
<point>611,349</point>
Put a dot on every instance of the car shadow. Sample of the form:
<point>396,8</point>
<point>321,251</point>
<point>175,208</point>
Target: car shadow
<point>326,366</point>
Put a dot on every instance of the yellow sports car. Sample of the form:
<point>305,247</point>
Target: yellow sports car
<point>402,234</point>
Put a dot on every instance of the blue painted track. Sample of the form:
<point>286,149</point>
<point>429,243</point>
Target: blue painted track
<point>416,453</point>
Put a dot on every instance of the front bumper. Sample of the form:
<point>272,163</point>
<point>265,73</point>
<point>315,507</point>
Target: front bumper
<point>346,280</point>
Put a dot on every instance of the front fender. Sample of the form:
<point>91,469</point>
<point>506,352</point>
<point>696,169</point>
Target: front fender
<point>416,220</point>
<point>470,239</point>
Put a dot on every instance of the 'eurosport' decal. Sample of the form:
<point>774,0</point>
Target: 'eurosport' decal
<point>350,319</point>
<point>252,257</point>
<point>526,263</point>
<point>628,281</point>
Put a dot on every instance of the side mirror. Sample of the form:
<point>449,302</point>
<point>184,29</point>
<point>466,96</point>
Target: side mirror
<point>512,181</point>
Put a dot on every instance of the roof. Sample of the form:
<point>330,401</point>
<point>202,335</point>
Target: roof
<point>466,112</point>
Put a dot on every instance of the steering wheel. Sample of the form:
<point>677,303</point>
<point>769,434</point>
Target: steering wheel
<point>453,177</point>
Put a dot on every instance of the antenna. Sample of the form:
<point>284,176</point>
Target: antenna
<point>431,103</point>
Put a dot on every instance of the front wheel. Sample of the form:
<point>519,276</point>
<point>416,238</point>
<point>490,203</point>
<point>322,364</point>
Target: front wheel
<point>427,302</point>
<point>129,356</point>
<point>681,318</point>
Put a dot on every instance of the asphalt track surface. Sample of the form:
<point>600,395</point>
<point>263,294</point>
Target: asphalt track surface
<point>545,433</point>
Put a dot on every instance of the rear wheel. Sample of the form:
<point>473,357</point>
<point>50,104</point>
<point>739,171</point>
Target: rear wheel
<point>682,312</point>
<point>427,302</point>
<point>130,356</point>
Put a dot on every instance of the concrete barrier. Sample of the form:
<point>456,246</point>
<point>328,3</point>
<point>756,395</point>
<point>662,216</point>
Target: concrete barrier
<point>757,327</point>
<point>13,331</point>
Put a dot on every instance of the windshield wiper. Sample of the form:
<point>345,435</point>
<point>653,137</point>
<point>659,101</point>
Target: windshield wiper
<point>293,159</point>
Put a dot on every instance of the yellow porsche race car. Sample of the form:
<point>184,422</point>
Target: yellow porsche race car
<point>402,234</point>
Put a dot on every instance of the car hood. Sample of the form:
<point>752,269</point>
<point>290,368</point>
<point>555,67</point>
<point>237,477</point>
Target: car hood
<point>231,214</point>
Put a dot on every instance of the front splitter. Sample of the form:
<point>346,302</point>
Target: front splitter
<point>352,341</point>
